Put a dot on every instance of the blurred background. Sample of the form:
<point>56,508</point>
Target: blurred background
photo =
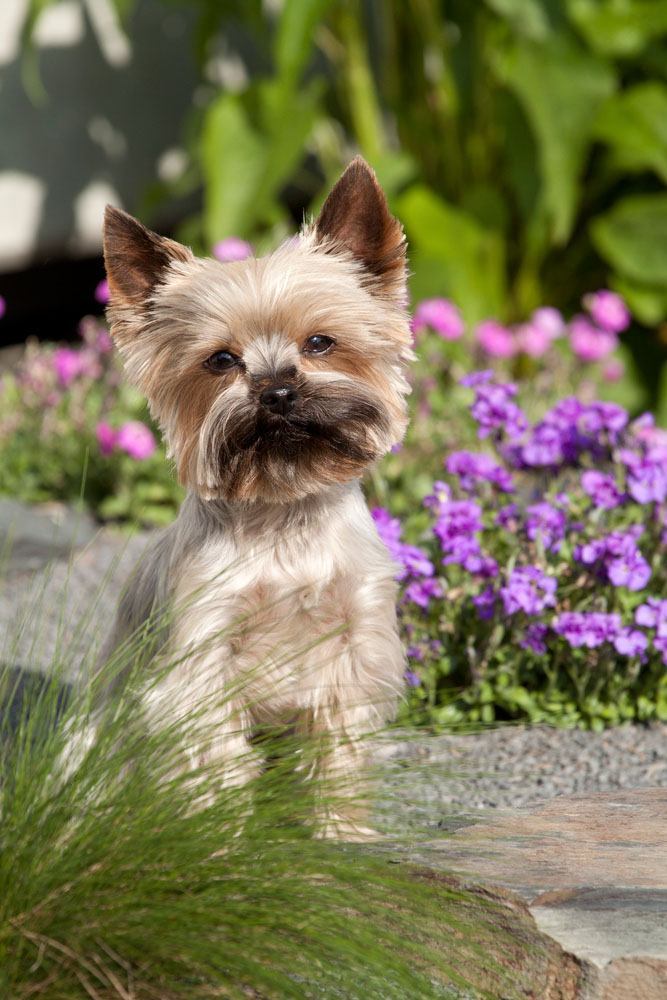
<point>522,142</point>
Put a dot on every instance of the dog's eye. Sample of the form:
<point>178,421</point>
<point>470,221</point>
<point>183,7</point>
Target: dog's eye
<point>221,361</point>
<point>318,344</point>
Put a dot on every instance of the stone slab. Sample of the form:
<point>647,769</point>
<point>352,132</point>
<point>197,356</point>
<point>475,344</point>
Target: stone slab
<point>593,872</point>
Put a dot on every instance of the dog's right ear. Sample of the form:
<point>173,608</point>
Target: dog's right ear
<point>136,259</point>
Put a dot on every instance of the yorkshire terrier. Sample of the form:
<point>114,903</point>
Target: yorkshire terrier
<point>276,381</point>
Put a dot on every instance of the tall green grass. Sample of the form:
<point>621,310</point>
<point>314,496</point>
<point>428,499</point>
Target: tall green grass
<point>126,877</point>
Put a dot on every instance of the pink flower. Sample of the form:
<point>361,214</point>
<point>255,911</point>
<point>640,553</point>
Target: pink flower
<point>589,342</point>
<point>232,248</point>
<point>533,340</point>
<point>3,307</point>
<point>67,364</point>
<point>549,320</point>
<point>106,437</point>
<point>136,439</point>
<point>496,340</point>
<point>104,343</point>
<point>614,370</point>
<point>102,292</point>
<point>608,311</point>
<point>441,315</point>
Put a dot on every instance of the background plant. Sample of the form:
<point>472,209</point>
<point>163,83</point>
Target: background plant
<point>522,142</point>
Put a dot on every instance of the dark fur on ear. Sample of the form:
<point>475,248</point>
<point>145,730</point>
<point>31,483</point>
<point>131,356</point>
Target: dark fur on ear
<point>356,217</point>
<point>135,257</point>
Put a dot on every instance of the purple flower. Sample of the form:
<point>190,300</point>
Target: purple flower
<point>232,248</point>
<point>441,494</point>
<point>412,679</point>
<point>569,429</point>
<point>67,364</point>
<point>441,315</point>
<point>136,440</point>
<point>485,602</point>
<point>102,292</point>
<point>546,524</point>
<point>496,340</point>
<point>608,311</point>
<point>477,378</point>
<point>473,467</point>
<point>653,614</point>
<point>617,558</point>
<point>587,628</point>
<point>421,592</point>
<point>495,411</point>
<point>646,474</point>
<point>630,642</point>
<point>106,437</point>
<point>534,638</point>
<point>660,644</point>
<point>456,525</point>
<point>507,517</point>
<point>589,342</point>
<point>415,561</point>
<point>412,560</point>
<point>602,489</point>
<point>528,589</point>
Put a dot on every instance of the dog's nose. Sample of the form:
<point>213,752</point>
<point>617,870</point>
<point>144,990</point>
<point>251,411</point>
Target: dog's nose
<point>279,398</point>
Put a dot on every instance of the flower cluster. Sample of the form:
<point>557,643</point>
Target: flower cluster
<point>590,337</point>
<point>562,565</point>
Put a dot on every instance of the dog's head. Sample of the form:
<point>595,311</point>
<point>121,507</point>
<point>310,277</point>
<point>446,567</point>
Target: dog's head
<point>274,377</point>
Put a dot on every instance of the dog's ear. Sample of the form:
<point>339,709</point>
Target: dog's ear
<point>136,258</point>
<point>356,217</point>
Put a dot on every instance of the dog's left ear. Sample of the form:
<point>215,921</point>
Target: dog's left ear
<point>356,217</point>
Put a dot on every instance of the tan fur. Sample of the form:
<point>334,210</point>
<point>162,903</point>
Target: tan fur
<point>274,560</point>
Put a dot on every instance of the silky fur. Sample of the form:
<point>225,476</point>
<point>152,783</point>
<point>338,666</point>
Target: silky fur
<point>281,594</point>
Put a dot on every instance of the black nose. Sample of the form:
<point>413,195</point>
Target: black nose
<point>279,398</point>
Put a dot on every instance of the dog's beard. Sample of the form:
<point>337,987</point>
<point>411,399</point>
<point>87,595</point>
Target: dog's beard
<point>331,436</point>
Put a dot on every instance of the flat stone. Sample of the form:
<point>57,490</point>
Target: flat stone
<point>593,872</point>
<point>33,536</point>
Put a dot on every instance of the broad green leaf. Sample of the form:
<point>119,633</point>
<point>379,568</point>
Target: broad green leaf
<point>619,27</point>
<point>527,17</point>
<point>632,237</point>
<point>634,125</point>
<point>452,254</point>
<point>286,135</point>
<point>294,37</point>
<point>648,303</point>
<point>561,88</point>
<point>232,163</point>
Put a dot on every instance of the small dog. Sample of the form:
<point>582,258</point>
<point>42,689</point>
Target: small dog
<point>277,382</point>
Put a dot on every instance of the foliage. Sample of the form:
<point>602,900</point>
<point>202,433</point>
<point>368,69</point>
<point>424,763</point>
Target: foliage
<point>522,142</point>
<point>122,876</point>
<point>70,427</point>
<point>537,589</point>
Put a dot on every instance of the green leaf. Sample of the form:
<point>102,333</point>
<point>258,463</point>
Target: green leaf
<point>632,237</point>
<point>634,125</point>
<point>561,88</point>
<point>294,38</point>
<point>619,27</point>
<point>452,254</point>
<point>647,303</point>
<point>232,161</point>
<point>527,17</point>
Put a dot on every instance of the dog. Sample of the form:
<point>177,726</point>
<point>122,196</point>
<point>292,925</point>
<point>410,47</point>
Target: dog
<point>276,382</point>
